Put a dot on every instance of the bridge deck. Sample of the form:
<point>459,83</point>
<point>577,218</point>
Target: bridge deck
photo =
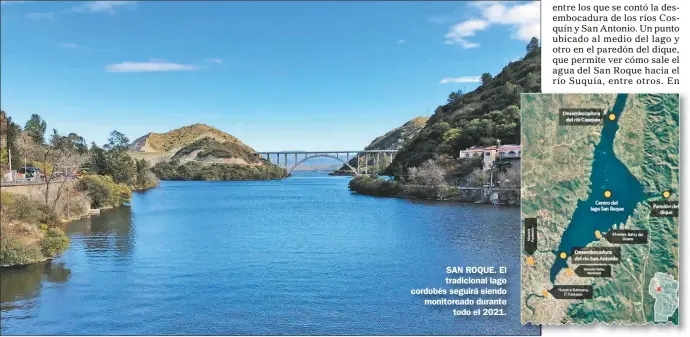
<point>317,152</point>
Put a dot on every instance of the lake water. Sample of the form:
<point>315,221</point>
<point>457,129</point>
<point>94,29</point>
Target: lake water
<point>301,256</point>
<point>608,174</point>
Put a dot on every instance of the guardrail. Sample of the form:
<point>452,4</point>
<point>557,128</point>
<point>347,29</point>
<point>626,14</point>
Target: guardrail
<point>26,182</point>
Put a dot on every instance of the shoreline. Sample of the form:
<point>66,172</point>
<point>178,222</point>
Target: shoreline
<point>449,200</point>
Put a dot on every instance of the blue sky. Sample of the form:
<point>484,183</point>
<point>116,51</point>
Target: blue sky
<point>277,75</point>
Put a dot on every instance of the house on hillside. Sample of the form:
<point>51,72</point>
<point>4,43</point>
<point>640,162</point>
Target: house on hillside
<point>510,153</point>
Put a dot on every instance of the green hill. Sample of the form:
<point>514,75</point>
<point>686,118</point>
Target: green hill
<point>201,152</point>
<point>481,117</point>
<point>212,150</point>
<point>175,140</point>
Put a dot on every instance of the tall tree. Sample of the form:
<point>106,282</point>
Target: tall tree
<point>533,45</point>
<point>120,164</point>
<point>455,96</point>
<point>117,142</point>
<point>36,128</point>
<point>9,133</point>
<point>486,78</point>
<point>98,161</point>
<point>78,143</point>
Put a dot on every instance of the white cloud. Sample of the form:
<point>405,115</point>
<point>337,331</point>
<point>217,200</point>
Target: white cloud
<point>215,61</point>
<point>107,7</point>
<point>400,41</point>
<point>460,31</point>
<point>69,45</point>
<point>523,18</point>
<point>41,16</point>
<point>150,66</point>
<point>464,79</point>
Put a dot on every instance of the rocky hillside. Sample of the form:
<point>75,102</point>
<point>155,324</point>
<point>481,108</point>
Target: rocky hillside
<point>213,150</point>
<point>175,140</point>
<point>392,140</point>
<point>396,138</point>
<point>489,113</point>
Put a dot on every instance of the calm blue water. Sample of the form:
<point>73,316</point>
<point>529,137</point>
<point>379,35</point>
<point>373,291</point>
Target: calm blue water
<point>608,173</point>
<point>298,256</point>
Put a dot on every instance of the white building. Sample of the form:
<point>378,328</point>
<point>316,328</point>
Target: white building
<point>491,153</point>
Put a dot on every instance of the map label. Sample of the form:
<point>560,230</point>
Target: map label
<point>596,255</point>
<point>664,209</point>
<point>593,271</point>
<point>530,235</point>
<point>627,236</point>
<point>580,116</point>
<point>572,292</point>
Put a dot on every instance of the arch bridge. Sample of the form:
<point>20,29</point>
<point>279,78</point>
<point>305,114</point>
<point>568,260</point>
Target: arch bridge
<point>363,158</point>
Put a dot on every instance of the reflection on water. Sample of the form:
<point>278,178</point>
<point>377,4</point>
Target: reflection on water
<point>21,285</point>
<point>301,256</point>
<point>112,231</point>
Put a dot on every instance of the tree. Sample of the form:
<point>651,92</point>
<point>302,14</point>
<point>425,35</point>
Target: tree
<point>478,178</point>
<point>142,168</point>
<point>57,159</point>
<point>77,143</point>
<point>12,132</point>
<point>429,174</point>
<point>36,128</point>
<point>119,164</point>
<point>510,178</point>
<point>117,142</point>
<point>533,45</point>
<point>97,162</point>
<point>486,78</point>
<point>531,82</point>
<point>455,96</point>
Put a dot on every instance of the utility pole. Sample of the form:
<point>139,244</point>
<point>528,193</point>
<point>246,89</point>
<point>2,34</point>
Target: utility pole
<point>69,193</point>
<point>9,162</point>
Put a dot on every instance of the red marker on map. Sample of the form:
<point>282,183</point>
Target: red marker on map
<point>658,289</point>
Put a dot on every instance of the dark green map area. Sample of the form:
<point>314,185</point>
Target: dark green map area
<point>582,182</point>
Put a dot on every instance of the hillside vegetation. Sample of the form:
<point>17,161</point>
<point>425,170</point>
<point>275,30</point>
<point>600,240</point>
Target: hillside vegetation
<point>176,139</point>
<point>210,154</point>
<point>396,138</point>
<point>392,140</point>
<point>210,149</point>
<point>489,113</point>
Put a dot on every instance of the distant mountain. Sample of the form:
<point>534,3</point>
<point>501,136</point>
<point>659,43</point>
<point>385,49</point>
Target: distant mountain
<point>175,140</point>
<point>392,140</point>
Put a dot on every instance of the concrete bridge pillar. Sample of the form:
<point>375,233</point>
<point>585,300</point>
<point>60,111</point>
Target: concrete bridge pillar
<point>366,163</point>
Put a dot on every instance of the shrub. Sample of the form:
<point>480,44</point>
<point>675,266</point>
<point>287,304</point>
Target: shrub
<point>103,191</point>
<point>197,171</point>
<point>23,208</point>
<point>76,205</point>
<point>372,186</point>
<point>54,242</point>
<point>14,252</point>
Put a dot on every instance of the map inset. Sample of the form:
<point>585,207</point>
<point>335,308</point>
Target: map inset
<point>600,192</point>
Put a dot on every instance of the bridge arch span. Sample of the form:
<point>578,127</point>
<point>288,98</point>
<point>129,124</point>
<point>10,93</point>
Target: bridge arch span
<point>354,170</point>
